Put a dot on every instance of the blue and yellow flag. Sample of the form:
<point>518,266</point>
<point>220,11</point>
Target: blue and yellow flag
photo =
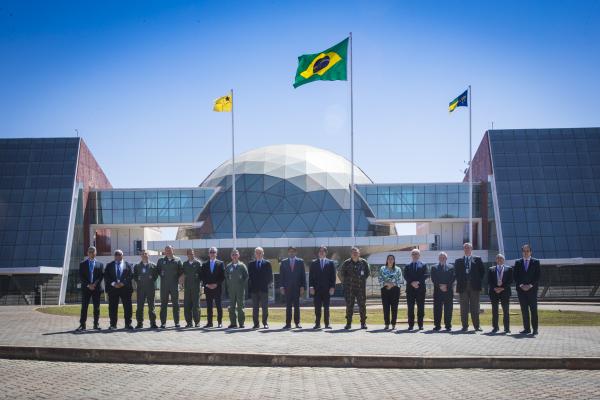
<point>328,65</point>
<point>460,101</point>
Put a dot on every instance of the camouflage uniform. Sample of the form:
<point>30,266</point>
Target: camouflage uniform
<point>354,277</point>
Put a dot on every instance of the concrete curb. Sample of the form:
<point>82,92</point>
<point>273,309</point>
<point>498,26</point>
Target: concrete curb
<point>69,354</point>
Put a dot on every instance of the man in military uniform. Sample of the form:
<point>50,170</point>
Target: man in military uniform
<point>191,284</point>
<point>170,269</point>
<point>145,275</point>
<point>236,278</point>
<point>353,274</point>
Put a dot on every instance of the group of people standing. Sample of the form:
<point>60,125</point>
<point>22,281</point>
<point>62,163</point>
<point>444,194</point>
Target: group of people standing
<point>257,277</point>
<point>466,274</point>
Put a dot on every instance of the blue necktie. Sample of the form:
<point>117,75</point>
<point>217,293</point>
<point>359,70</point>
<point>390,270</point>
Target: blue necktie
<point>91,271</point>
<point>118,271</point>
<point>258,264</point>
<point>212,267</point>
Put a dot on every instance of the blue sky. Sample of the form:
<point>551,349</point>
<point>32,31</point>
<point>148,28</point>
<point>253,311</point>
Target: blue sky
<point>137,79</point>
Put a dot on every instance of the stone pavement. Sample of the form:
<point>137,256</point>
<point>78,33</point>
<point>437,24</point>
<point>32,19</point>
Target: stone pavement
<point>23,326</point>
<point>65,380</point>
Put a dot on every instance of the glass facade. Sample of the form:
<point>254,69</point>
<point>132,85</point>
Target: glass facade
<point>37,178</point>
<point>421,201</point>
<point>548,189</point>
<point>147,206</point>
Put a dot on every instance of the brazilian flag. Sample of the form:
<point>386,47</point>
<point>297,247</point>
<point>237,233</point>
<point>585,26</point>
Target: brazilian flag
<point>329,65</point>
<point>460,101</point>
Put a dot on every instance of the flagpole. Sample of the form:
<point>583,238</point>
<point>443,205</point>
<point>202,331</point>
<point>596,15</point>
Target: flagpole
<point>233,210</point>
<point>470,171</point>
<point>351,144</point>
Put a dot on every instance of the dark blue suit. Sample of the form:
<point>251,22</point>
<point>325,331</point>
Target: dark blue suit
<point>97,269</point>
<point>115,294</point>
<point>321,279</point>
<point>528,299</point>
<point>291,281</point>
<point>415,272</point>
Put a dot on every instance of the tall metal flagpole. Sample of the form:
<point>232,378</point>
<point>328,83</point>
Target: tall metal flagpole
<point>470,172</point>
<point>233,211</point>
<point>351,145</point>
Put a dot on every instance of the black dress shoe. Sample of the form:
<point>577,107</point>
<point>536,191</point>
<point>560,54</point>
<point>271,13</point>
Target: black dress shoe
<point>464,329</point>
<point>478,329</point>
<point>317,326</point>
<point>153,326</point>
<point>81,328</point>
<point>298,326</point>
<point>232,326</point>
<point>535,332</point>
<point>139,326</point>
<point>208,326</point>
<point>448,328</point>
<point>410,328</point>
<point>220,325</point>
<point>327,326</point>
<point>394,327</point>
<point>507,331</point>
<point>242,326</point>
<point>437,328</point>
<point>97,327</point>
<point>525,332</point>
<point>420,328</point>
<point>348,326</point>
<point>286,327</point>
<point>112,328</point>
<point>129,327</point>
<point>266,326</point>
<point>177,325</point>
<point>197,324</point>
<point>163,326</point>
<point>494,330</point>
<point>188,325</point>
<point>256,326</point>
<point>363,326</point>
<point>386,328</point>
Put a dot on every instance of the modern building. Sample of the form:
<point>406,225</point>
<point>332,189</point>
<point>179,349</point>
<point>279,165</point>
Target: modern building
<point>530,186</point>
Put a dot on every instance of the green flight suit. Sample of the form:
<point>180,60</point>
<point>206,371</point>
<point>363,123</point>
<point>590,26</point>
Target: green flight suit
<point>236,279</point>
<point>169,271</point>
<point>191,291</point>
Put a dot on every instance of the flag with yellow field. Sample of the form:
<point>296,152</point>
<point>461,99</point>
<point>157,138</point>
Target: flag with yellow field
<point>223,104</point>
<point>328,65</point>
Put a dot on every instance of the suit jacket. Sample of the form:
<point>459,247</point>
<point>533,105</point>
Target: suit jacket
<point>218,276</point>
<point>443,277</point>
<point>84,274</point>
<point>259,279</point>
<point>507,280</point>
<point>322,279</point>
<point>110,276</point>
<point>474,278</point>
<point>292,281</point>
<point>412,274</point>
<point>529,277</point>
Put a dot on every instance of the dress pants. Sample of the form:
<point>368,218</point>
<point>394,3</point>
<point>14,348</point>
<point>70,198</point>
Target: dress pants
<point>500,299</point>
<point>415,296</point>
<point>191,304</point>
<point>213,296</point>
<point>114,295</point>
<point>442,302</point>
<point>292,299</point>
<point>528,302</point>
<point>390,299</point>
<point>322,299</point>
<point>86,295</point>
<point>165,292</point>
<point>260,300</point>
<point>469,303</point>
<point>145,294</point>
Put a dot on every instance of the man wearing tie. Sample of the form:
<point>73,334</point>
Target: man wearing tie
<point>213,275</point>
<point>117,280</point>
<point>500,278</point>
<point>260,278</point>
<point>353,274</point>
<point>191,289</point>
<point>442,277</point>
<point>90,276</point>
<point>293,284</point>
<point>145,275</point>
<point>527,277</point>
<point>415,274</point>
<point>469,271</point>
<point>321,279</point>
<point>170,268</point>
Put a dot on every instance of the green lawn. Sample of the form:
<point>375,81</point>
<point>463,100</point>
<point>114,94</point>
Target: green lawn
<point>375,316</point>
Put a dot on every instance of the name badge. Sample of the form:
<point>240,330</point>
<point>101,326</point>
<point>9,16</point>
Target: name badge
<point>362,273</point>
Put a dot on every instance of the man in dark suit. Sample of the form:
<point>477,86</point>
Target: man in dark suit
<point>293,284</point>
<point>469,271</point>
<point>260,278</point>
<point>213,275</point>
<point>527,276</point>
<point>415,275</point>
<point>321,283</point>
<point>442,276</point>
<point>145,275</point>
<point>500,278</point>
<point>90,276</point>
<point>117,281</point>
